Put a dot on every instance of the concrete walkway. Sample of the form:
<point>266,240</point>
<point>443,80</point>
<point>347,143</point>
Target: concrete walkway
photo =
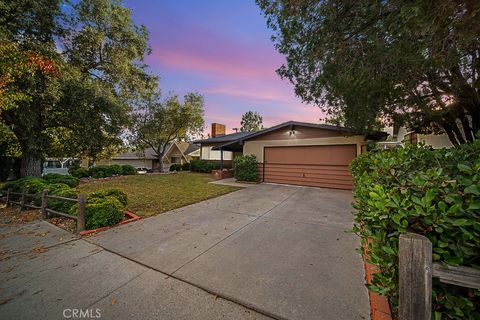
<point>278,250</point>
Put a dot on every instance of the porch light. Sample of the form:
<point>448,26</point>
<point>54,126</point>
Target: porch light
<point>292,130</point>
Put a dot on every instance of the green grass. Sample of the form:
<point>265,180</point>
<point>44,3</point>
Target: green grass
<point>152,194</point>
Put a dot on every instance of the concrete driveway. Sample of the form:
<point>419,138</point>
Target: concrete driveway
<point>283,251</point>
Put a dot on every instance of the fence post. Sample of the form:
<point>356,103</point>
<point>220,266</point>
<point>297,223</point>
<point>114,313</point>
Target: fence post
<point>415,273</point>
<point>44,203</point>
<point>8,196</point>
<point>22,202</point>
<point>81,213</point>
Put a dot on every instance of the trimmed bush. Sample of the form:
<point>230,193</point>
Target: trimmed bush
<point>101,171</point>
<point>62,178</point>
<point>204,166</point>
<point>128,170</point>
<point>246,168</point>
<point>186,166</point>
<point>175,167</point>
<point>116,193</point>
<point>116,169</point>
<point>81,173</point>
<point>101,212</point>
<point>61,190</point>
<point>435,193</point>
<point>29,184</point>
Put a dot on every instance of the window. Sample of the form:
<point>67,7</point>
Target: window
<point>410,138</point>
<point>175,159</point>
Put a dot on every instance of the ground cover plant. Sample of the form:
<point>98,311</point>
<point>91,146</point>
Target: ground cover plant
<point>435,193</point>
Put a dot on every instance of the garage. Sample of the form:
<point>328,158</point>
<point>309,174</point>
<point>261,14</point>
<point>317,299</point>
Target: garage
<point>318,165</point>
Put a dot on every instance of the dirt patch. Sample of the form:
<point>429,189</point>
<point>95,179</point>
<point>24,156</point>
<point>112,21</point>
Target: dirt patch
<point>13,216</point>
<point>67,224</point>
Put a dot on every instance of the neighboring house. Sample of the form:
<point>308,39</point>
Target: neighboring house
<point>298,153</point>
<point>176,152</point>
<point>57,165</point>
<point>401,137</point>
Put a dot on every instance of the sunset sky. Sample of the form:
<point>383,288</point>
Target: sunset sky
<point>221,49</point>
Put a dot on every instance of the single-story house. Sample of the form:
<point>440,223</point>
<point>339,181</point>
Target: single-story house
<point>298,153</point>
<point>177,152</point>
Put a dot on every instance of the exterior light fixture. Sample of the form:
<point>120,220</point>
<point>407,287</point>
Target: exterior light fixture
<point>292,130</point>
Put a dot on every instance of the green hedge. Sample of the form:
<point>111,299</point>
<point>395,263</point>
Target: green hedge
<point>204,166</point>
<point>435,193</point>
<point>246,168</point>
<point>81,172</point>
<point>104,171</point>
<point>175,167</point>
<point>128,170</point>
<point>69,180</point>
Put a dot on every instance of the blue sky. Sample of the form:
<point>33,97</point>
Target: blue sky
<point>221,49</point>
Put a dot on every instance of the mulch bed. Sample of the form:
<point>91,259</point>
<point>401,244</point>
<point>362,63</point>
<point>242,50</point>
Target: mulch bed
<point>10,216</point>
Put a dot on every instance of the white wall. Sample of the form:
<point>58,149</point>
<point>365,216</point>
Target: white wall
<point>209,154</point>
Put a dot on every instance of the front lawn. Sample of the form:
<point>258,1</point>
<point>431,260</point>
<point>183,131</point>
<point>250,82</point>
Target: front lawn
<point>152,194</point>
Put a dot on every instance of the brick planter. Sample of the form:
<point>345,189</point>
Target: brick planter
<point>222,174</point>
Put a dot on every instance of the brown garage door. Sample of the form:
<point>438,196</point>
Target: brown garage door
<point>317,166</point>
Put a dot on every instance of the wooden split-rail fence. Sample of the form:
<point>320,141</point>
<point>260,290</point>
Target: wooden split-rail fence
<point>416,270</point>
<point>24,200</point>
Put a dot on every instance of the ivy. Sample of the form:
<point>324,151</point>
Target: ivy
<point>435,193</point>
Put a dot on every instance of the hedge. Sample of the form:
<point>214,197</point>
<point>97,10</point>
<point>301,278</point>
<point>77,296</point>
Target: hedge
<point>104,171</point>
<point>175,167</point>
<point>246,168</point>
<point>204,166</point>
<point>69,180</point>
<point>435,193</point>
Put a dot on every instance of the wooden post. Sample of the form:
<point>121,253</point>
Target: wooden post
<point>22,201</point>
<point>81,213</point>
<point>44,204</point>
<point>8,196</point>
<point>415,287</point>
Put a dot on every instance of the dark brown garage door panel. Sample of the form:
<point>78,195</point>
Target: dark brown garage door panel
<point>319,166</point>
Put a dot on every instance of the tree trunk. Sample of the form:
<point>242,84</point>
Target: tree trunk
<point>31,165</point>
<point>160,161</point>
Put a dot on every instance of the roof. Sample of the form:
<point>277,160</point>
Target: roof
<point>225,138</point>
<point>147,154</point>
<point>191,148</point>
<point>293,124</point>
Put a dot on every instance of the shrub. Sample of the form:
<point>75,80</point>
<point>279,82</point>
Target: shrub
<point>435,193</point>
<point>116,193</point>
<point>116,169</point>
<point>102,171</point>
<point>204,166</point>
<point>128,170</point>
<point>186,166</point>
<point>175,167</point>
<point>81,173</point>
<point>62,178</point>
<point>61,190</point>
<point>29,184</point>
<point>101,212</point>
<point>246,168</point>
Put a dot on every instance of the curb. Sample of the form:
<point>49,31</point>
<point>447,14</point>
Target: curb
<point>132,217</point>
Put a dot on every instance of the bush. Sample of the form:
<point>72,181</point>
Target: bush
<point>246,168</point>
<point>128,170</point>
<point>204,166</point>
<point>435,193</point>
<point>175,167</point>
<point>102,171</point>
<point>61,178</point>
<point>80,173</point>
<point>29,184</point>
<point>186,166</point>
<point>101,212</point>
<point>61,190</point>
<point>116,169</point>
<point>116,193</point>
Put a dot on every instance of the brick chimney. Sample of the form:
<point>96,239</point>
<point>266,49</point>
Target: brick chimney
<point>218,129</point>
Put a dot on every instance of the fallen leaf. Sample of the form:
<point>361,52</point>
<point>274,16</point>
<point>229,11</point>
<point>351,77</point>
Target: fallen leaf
<point>40,250</point>
<point>114,301</point>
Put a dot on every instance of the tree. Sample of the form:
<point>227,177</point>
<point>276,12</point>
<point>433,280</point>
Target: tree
<point>88,73</point>
<point>251,121</point>
<point>156,124</point>
<point>368,62</point>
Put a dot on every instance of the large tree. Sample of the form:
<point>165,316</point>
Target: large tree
<point>370,62</point>
<point>77,102</point>
<point>251,121</point>
<point>156,123</point>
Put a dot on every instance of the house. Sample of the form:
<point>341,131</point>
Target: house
<point>297,153</point>
<point>176,152</point>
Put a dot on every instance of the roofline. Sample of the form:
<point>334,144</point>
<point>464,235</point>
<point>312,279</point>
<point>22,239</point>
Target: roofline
<point>285,124</point>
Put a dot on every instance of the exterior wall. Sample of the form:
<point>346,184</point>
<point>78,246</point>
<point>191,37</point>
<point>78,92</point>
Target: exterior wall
<point>300,133</point>
<point>256,146</point>
<point>209,154</point>
<point>436,141</point>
